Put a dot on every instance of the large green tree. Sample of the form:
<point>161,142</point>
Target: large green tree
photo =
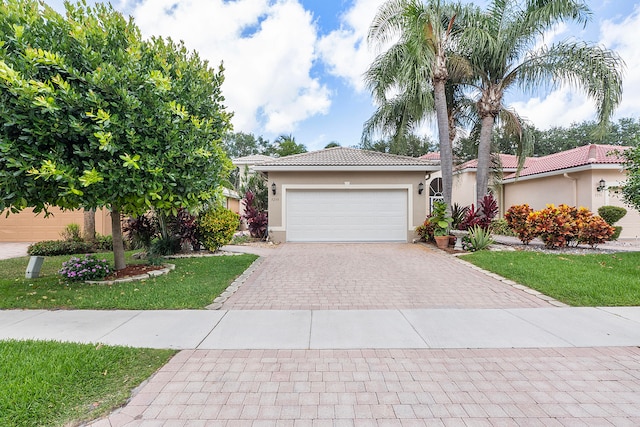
<point>409,79</point>
<point>631,188</point>
<point>94,116</point>
<point>501,44</point>
<point>285,145</point>
<point>240,144</point>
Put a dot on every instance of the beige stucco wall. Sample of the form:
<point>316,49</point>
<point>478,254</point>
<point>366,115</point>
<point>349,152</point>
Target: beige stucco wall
<point>558,189</point>
<point>28,227</point>
<point>344,180</point>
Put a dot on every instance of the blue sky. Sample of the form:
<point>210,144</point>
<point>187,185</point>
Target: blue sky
<point>295,66</point>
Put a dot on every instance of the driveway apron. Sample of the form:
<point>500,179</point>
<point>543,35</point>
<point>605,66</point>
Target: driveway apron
<point>386,386</point>
<point>331,276</point>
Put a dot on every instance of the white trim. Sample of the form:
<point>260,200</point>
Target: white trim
<point>315,168</point>
<point>606,166</point>
<point>345,187</point>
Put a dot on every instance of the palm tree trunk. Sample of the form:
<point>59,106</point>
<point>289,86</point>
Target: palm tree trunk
<point>118,244</point>
<point>446,152</point>
<point>89,228</point>
<point>484,157</point>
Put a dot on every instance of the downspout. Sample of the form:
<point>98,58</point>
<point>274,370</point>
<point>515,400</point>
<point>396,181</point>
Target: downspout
<point>575,188</point>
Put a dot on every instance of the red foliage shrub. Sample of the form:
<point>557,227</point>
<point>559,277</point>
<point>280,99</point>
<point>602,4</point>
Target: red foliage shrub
<point>257,221</point>
<point>516,217</point>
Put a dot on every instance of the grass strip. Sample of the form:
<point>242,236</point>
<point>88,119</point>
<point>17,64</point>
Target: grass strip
<point>192,285</point>
<point>578,280</point>
<point>55,384</point>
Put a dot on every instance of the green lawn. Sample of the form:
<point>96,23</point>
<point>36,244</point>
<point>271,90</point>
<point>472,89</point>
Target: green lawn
<point>578,280</point>
<point>192,285</point>
<point>55,384</point>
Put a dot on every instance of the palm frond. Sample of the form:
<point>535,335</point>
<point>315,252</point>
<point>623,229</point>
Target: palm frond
<point>596,70</point>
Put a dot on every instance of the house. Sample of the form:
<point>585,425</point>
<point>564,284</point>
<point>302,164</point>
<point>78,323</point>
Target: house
<point>346,195</point>
<point>588,176</point>
<point>29,227</point>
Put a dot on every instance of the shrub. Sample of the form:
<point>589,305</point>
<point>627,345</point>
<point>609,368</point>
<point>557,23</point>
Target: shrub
<point>87,268</point>
<point>616,233</point>
<point>425,231</point>
<point>501,227</point>
<point>59,247</point>
<point>185,227</point>
<point>478,239</point>
<point>439,219</point>
<point>103,243</point>
<point>257,220</point>
<point>554,225</point>
<point>216,227</point>
<point>611,214</point>
<point>516,218</point>
<point>140,231</point>
<point>165,245</point>
<point>71,233</point>
<point>458,214</point>
<point>483,216</point>
<point>592,229</point>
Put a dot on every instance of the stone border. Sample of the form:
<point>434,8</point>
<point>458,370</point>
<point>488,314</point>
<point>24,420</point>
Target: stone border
<point>234,286</point>
<point>167,268</point>
<point>511,283</point>
<point>506,281</point>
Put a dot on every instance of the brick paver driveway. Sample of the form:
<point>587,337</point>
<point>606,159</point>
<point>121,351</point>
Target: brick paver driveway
<point>371,276</point>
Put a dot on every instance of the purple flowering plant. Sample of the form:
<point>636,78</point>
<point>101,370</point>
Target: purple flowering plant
<point>87,268</point>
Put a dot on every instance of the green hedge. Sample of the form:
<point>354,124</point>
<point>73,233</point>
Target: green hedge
<point>59,247</point>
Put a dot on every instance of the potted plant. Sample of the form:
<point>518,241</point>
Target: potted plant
<point>441,224</point>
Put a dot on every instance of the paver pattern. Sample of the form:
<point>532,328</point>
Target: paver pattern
<point>371,276</point>
<point>532,387</point>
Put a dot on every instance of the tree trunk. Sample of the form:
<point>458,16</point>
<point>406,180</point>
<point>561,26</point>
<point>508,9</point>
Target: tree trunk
<point>484,157</point>
<point>89,228</point>
<point>446,152</point>
<point>118,244</point>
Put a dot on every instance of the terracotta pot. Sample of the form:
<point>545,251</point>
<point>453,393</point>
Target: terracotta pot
<point>442,241</point>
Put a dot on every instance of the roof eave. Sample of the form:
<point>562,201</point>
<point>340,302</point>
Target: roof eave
<point>406,168</point>
<point>582,168</point>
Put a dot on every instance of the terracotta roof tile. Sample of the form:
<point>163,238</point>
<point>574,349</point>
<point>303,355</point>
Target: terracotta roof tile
<point>580,156</point>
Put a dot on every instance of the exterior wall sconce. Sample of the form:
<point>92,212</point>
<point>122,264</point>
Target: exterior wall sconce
<point>602,185</point>
<point>420,188</point>
<point>273,188</point>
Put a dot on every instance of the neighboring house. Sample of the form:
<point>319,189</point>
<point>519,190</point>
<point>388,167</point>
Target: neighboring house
<point>244,171</point>
<point>346,195</point>
<point>28,227</point>
<point>588,176</point>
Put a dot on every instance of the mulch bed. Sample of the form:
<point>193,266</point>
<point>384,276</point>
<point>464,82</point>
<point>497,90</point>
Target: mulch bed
<point>133,270</point>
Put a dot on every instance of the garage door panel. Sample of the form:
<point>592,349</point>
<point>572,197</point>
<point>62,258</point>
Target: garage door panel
<point>346,215</point>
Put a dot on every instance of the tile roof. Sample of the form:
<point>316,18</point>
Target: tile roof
<point>580,156</point>
<point>252,159</point>
<point>507,161</point>
<point>346,157</point>
<point>434,155</point>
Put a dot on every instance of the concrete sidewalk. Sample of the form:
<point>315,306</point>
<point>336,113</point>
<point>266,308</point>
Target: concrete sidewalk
<point>332,329</point>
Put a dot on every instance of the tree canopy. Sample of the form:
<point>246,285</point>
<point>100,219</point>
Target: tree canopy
<point>95,116</point>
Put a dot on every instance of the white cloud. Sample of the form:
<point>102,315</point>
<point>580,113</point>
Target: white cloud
<point>268,49</point>
<point>560,108</point>
<point>345,50</point>
<point>622,37</point>
<point>563,106</point>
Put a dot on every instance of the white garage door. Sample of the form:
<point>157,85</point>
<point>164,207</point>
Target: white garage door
<point>346,215</point>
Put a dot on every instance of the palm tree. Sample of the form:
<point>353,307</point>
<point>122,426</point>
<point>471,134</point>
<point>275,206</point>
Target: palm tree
<point>416,68</point>
<point>501,46</point>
